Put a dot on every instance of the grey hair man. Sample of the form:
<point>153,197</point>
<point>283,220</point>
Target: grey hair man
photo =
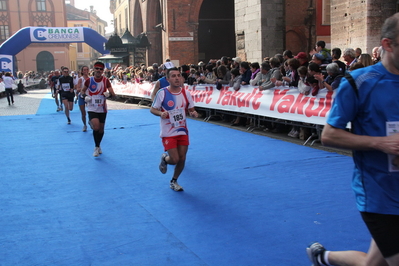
<point>349,57</point>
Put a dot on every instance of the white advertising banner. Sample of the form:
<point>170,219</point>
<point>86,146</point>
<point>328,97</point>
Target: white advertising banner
<point>280,102</point>
<point>6,63</point>
<point>56,34</point>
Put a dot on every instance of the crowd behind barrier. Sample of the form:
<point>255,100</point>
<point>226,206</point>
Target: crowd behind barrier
<point>279,105</point>
<point>284,103</point>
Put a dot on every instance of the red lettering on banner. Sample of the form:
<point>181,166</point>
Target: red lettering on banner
<point>286,103</point>
<point>255,103</point>
<point>235,98</point>
<point>277,95</point>
<point>314,112</point>
<point>328,104</point>
<point>299,104</point>
<point>296,104</point>
<point>201,95</point>
<point>240,99</point>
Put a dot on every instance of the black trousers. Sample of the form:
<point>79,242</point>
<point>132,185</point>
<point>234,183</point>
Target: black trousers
<point>9,94</point>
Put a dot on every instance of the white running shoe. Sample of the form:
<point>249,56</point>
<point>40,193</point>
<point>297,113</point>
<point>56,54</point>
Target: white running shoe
<point>175,186</point>
<point>100,151</point>
<point>96,152</point>
<point>84,128</point>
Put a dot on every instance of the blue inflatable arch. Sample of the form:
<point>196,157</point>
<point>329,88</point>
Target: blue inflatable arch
<point>25,36</point>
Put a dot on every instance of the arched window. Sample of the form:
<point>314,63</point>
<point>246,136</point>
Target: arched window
<point>44,61</point>
<point>41,5</point>
<point>326,14</point>
<point>3,5</point>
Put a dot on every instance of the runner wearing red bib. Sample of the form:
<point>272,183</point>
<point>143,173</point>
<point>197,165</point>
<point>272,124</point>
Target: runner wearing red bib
<point>94,91</point>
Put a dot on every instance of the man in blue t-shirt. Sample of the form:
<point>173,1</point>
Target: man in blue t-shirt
<point>162,82</point>
<point>370,100</point>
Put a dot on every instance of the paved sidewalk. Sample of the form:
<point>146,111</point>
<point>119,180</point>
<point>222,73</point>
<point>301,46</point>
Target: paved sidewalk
<point>24,104</point>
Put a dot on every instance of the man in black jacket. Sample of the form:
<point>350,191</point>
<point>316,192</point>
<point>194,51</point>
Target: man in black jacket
<point>65,87</point>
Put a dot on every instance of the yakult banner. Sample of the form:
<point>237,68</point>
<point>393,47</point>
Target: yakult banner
<point>55,34</point>
<point>280,102</point>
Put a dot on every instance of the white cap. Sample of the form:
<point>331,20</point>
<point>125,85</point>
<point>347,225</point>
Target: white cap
<point>237,59</point>
<point>168,65</point>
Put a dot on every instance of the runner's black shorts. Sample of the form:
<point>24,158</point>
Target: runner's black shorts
<point>384,228</point>
<point>101,116</point>
<point>68,96</point>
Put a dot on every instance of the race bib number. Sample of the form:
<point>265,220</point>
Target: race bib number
<point>65,87</point>
<point>97,100</point>
<point>177,117</point>
<point>392,128</point>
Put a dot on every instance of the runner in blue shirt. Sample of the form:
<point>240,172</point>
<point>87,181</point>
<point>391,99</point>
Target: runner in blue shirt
<point>370,101</point>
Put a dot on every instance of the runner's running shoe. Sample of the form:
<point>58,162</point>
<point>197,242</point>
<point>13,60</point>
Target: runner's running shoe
<point>163,166</point>
<point>96,152</point>
<point>314,250</point>
<point>175,186</point>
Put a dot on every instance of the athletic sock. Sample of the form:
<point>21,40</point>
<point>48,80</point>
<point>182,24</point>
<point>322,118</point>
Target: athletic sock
<point>96,138</point>
<point>323,258</point>
<point>100,137</point>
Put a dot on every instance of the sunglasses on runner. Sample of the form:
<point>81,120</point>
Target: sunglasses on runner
<point>99,68</point>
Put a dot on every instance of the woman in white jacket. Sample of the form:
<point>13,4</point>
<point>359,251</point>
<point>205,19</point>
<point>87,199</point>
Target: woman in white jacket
<point>8,82</point>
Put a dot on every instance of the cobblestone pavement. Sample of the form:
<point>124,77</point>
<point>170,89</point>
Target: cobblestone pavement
<point>26,104</point>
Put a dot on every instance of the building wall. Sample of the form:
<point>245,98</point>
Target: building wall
<point>248,26</point>
<point>259,28</point>
<point>73,65</point>
<point>86,55</point>
<point>121,16</point>
<point>299,26</point>
<point>357,23</point>
<point>179,39</point>
<point>27,58</point>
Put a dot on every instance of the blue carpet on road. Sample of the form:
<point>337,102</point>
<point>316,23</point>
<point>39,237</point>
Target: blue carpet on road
<point>248,199</point>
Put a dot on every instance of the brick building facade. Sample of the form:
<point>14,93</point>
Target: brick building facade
<point>188,31</point>
<point>184,31</point>
<point>357,23</point>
